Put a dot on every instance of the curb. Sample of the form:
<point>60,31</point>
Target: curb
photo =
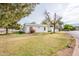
<point>75,49</point>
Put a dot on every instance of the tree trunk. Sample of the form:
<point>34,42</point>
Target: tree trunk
<point>54,22</point>
<point>59,28</point>
<point>54,29</point>
<point>6,30</point>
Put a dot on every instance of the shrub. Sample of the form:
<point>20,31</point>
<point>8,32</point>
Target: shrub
<point>20,32</point>
<point>32,30</point>
<point>49,30</point>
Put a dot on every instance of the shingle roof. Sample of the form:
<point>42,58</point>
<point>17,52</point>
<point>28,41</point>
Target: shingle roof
<point>35,25</point>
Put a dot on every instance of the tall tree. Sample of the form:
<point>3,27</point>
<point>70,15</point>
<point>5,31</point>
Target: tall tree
<point>52,22</point>
<point>48,21</point>
<point>11,13</point>
<point>57,23</point>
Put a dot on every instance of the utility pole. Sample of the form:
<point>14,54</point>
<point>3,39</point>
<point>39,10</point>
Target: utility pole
<point>54,22</point>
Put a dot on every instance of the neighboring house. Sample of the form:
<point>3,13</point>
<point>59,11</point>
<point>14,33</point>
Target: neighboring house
<point>37,28</point>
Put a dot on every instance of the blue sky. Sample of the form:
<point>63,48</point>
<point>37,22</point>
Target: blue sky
<point>69,12</point>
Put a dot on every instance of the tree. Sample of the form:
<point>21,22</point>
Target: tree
<point>68,27</point>
<point>52,22</point>
<point>15,26</point>
<point>11,13</point>
<point>57,22</point>
<point>47,20</point>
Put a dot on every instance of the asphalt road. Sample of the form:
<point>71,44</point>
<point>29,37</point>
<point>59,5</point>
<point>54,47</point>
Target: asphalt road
<point>75,34</point>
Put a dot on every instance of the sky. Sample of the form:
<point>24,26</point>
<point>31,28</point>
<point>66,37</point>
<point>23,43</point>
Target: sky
<point>69,12</point>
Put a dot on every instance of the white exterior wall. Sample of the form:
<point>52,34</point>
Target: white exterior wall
<point>26,29</point>
<point>56,30</point>
<point>41,29</point>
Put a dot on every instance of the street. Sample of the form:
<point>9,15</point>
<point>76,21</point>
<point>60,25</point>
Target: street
<point>75,34</point>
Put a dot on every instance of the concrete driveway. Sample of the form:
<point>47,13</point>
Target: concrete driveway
<point>75,34</point>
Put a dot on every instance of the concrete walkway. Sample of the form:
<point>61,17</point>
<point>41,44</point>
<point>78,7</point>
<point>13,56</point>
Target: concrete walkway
<point>75,34</point>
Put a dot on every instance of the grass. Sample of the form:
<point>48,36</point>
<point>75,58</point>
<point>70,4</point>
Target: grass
<point>33,44</point>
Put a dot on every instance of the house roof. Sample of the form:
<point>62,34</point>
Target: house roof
<point>35,25</point>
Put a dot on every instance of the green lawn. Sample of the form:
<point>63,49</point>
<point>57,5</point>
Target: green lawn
<point>33,44</point>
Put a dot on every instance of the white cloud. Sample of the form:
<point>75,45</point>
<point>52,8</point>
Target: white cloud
<point>71,14</point>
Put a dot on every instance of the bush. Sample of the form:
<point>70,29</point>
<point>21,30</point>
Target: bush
<point>32,30</point>
<point>20,32</point>
<point>49,30</point>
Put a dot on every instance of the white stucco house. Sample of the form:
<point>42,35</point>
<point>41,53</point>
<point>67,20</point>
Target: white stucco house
<point>37,28</point>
